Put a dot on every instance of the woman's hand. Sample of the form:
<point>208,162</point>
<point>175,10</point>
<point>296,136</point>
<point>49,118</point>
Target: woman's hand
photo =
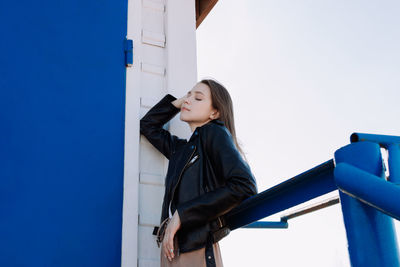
<point>168,241</point>
<point>178,102</point>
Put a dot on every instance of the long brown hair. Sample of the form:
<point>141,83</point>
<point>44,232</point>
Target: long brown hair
<point>221,100</point>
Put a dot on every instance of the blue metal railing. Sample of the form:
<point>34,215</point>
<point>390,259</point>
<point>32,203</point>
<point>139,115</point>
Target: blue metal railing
<point>389,142</point>
<point>368,200</point>
<point>306,186</point>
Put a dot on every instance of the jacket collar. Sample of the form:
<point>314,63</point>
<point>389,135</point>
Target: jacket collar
<point>195,132</point>
<point>211,121</point>
<point>217,121</point>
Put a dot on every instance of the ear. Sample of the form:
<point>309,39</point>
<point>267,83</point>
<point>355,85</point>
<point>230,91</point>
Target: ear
<point>214,114</point>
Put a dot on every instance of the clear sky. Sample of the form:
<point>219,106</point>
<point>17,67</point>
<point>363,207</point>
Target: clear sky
<point>303,76</point>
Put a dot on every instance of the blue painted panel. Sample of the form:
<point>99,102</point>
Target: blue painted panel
<point>62,112</point>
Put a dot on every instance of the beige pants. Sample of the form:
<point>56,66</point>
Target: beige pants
<point>196,258</point>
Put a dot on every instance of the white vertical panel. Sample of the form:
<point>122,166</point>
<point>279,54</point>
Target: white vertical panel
<point>164,62</point>
<point>149,178</point>
<point>154,55</point>
<point>181,54</point>
<point>153,23</point>
<point>153,38</point>
<point>150,200</point>
<point>131,169</point>
<point>151,161</point>
<point>151,252</point>
<point>148,263</point>
<point>152,85</point>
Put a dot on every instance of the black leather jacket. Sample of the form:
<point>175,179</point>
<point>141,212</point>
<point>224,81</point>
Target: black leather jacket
<point>206,176</point>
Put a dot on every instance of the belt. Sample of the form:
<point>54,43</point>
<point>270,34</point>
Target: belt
<point>218,230</point>
<point>160,231</point>
<point>209,254</point>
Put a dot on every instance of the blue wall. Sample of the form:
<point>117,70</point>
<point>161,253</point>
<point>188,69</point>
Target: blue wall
<point>62,111</point>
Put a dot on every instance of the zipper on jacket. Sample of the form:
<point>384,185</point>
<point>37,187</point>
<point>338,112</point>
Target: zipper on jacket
<point>220,222</point>
<point>179,178</point>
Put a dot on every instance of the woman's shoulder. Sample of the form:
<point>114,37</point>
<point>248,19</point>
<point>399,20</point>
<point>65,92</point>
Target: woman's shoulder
<point>216,131</point>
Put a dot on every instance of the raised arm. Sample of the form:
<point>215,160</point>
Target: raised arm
<point>151,125</point>
<point>231,170</point>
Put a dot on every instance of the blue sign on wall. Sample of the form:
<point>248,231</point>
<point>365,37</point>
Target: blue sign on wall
<point>62,116</point>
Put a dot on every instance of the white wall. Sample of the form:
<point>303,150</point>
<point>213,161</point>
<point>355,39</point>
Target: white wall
<point>164,35</point>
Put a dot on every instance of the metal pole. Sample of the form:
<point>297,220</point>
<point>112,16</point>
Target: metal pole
<point>263,224</point>
<point>394,163</point>
<point>299,189</point>
<point>370,233</point>
<point>369,188</point>
<point>313,207</point>
<point>382,140</point>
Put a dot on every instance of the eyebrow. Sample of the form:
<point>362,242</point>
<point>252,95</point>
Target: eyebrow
<point>198,92</point>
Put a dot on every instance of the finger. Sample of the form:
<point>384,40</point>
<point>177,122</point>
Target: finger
<point>171,251</point>
<point>170,247</point>
<point>166,247</point>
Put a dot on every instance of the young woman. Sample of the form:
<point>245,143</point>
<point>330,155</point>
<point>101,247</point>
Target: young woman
<point>207,175</point>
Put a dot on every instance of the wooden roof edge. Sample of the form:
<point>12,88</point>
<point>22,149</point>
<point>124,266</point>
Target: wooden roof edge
<point>203,7</point>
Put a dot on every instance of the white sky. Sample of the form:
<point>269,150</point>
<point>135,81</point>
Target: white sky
<point>303,76</point>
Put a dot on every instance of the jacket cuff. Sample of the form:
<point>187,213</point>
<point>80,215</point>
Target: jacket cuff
<point>169,98</point>
<point>160,113</point>
<point>185,218</point>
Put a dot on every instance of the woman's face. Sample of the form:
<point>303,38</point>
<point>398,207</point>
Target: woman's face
<point>197,108</point>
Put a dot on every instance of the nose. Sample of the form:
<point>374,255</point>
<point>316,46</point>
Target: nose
<point>186,100</point>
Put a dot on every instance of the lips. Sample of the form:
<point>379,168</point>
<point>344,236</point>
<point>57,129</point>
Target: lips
<point>183,108</point>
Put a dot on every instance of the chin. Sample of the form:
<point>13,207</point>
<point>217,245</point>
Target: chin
<point>182,118</point>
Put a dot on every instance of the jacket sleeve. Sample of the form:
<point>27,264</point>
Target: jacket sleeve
<point>239,182</point>
<point>151,126</point>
